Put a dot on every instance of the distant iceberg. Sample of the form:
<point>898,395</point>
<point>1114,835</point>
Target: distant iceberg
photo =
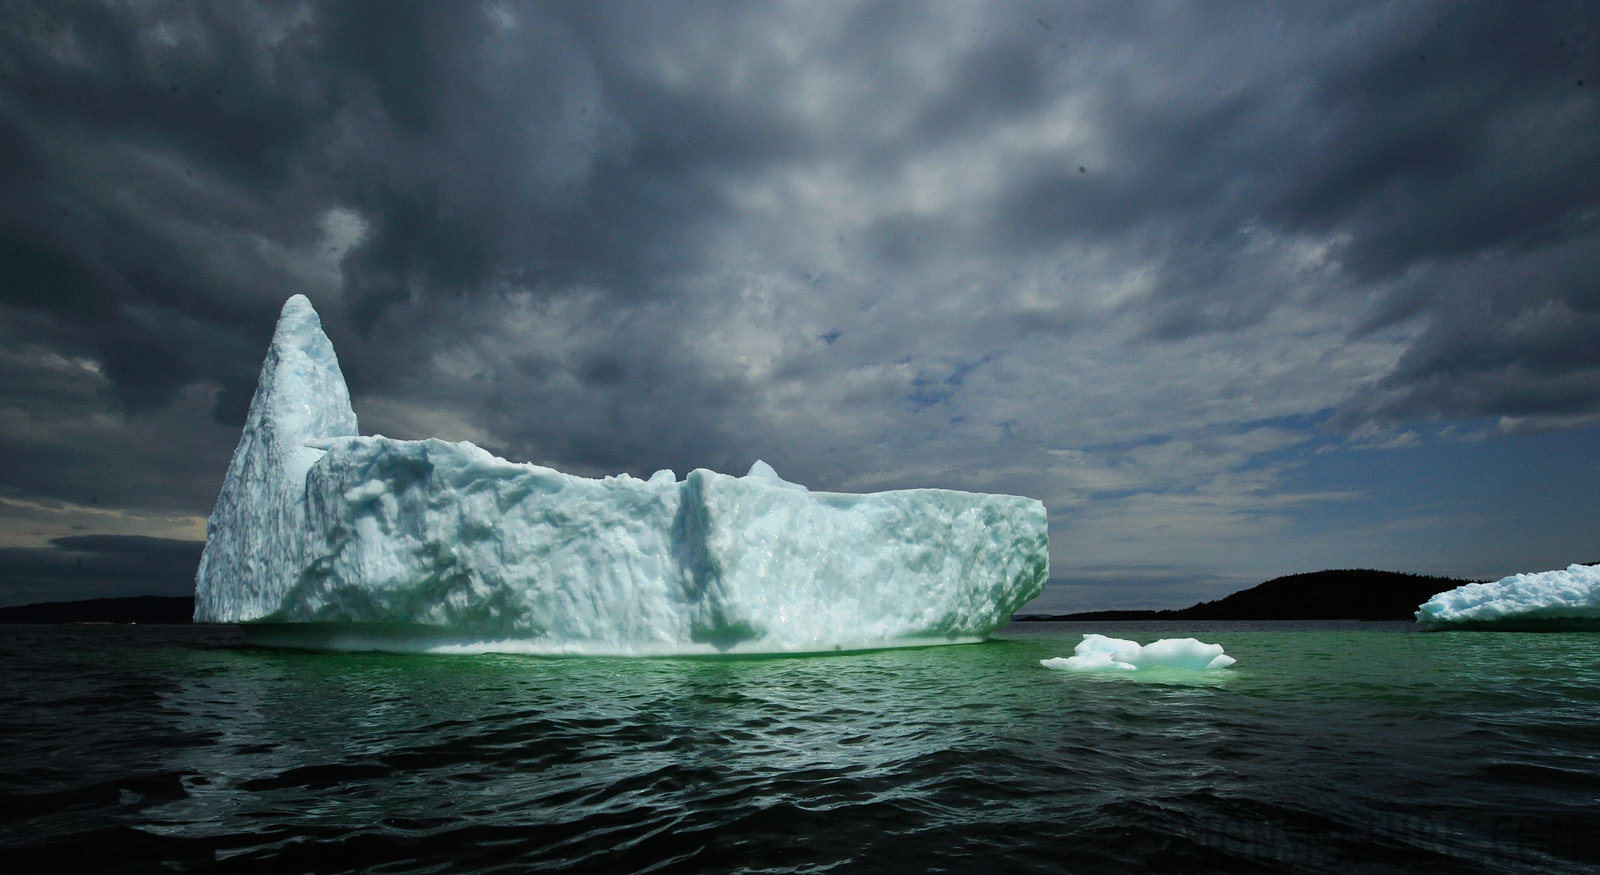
<point>323,538</point>
<point>1099,653</point>
<point>1546,600</point>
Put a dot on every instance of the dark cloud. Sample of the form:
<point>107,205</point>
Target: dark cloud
<point>880,244</point>
<point>95,566</point>
<point>1465,133</point>
<point>1133,587</point>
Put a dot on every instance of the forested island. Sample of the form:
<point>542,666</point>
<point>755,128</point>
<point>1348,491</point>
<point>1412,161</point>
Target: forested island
<point>1342,594</point>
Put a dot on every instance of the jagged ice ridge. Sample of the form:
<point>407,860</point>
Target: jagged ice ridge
<point>325,538</point>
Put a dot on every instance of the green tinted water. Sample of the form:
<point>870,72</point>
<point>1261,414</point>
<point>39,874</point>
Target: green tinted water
<point>1327,747</point>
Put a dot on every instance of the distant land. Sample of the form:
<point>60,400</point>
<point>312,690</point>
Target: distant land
<point>1358,594</point>
<point>1344,594</point>
<point>144,609</point>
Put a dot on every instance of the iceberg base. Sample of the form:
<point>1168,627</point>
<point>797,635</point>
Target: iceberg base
<point>412,638</point>
<point>1514,624</point>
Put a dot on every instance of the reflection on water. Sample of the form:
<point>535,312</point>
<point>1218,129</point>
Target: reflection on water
<point>1327,746</point>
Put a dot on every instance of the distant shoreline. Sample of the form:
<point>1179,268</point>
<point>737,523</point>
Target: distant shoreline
<point>141,610</point>
<point>1342,594</point>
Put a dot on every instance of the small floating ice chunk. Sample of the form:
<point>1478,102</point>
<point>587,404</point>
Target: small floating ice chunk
<point>1100,653</point>
<point>1187,653</point>
<point>1560,599</point>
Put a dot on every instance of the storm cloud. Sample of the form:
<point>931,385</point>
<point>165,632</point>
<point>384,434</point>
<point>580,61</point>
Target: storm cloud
<point>98,566</point>
<point>1235,290</point>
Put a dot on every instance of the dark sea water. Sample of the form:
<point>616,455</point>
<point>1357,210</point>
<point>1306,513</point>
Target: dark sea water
<point>1328,747</point>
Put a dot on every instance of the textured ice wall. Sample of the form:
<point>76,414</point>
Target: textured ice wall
<point>1099,653</point>
<point>434,545</point>
<point>449,536</point>
<point>1567,598</point>
<point>254,536</point>
<point>807,570</point>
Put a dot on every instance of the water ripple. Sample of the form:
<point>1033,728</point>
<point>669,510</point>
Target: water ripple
<point>129,749</point>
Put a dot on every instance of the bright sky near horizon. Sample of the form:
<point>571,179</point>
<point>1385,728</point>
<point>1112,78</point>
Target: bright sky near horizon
<point>1237,290</point>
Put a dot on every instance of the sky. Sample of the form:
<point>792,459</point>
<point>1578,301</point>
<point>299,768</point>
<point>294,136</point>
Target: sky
<point>1237,290</point>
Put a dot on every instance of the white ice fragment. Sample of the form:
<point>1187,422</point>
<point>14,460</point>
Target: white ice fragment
<point>323,538</point>
<point>1185,653</point>
<point>1563,599</point>
<point>1100,653</point>
<point>1118,650</point>
<point>1088,662</point>
<point>761,472</point>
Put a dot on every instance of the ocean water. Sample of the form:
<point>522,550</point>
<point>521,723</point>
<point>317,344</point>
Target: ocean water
<point>1328,747</point>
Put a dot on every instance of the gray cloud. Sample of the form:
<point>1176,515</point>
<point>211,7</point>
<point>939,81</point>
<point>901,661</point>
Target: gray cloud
<point>97,566</point>
<point>879,245</point>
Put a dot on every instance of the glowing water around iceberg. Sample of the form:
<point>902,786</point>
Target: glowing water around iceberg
<point>324,538</point>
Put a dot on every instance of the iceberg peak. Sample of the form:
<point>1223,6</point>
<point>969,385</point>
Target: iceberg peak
<point>761,472</point>
<point>255,536</point>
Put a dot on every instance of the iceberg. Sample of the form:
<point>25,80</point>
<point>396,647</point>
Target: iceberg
<point>327,539</point>
<point>1547,600</point>
<point>255,540</point>
<point>1099,653</point>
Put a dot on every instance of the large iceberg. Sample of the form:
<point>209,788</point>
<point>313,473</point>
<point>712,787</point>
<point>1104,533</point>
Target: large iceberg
<point>1546,600</point>
<point>324,538</point>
